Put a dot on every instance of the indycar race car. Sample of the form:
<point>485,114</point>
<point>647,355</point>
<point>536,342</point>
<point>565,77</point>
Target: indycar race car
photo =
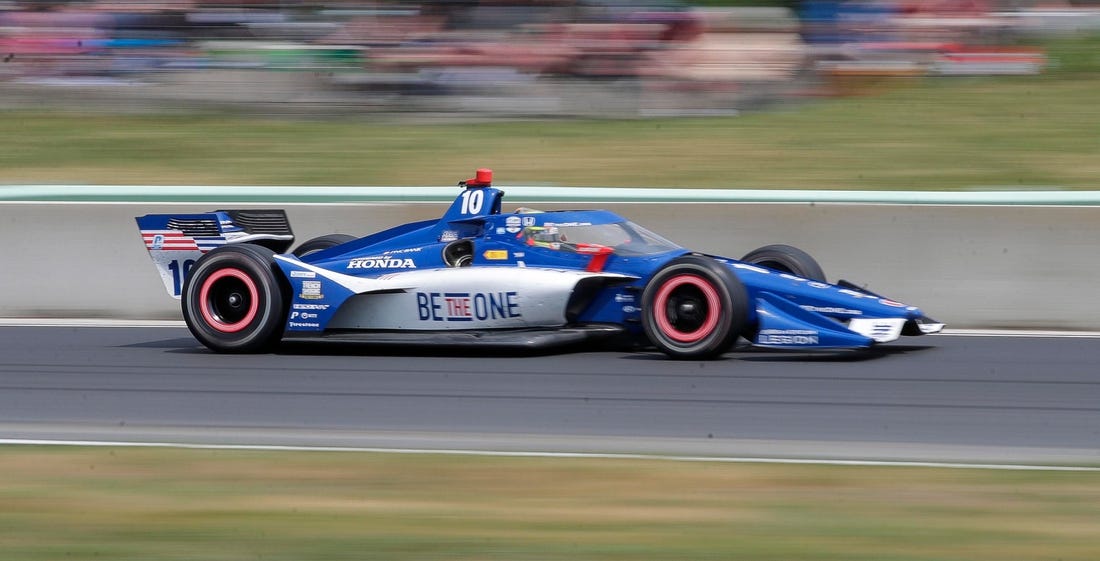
<point>527,279</point>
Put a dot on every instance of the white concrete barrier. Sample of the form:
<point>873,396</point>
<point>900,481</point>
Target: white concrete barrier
<point>971,265</point>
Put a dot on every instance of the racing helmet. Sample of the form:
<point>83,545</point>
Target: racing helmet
<point>545,234</point>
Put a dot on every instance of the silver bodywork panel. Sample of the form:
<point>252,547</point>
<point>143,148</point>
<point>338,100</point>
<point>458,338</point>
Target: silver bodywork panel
<point>463,298</point>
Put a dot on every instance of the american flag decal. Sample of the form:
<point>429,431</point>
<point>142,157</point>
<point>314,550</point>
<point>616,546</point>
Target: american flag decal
<point>175,240</point>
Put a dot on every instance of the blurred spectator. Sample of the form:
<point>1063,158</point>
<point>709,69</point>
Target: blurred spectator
<point>493,49</point>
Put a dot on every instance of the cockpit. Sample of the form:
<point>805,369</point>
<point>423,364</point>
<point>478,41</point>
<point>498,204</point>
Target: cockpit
<point>623,238</point>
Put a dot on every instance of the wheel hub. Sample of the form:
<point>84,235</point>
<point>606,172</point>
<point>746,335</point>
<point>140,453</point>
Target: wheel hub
<point>235,300</point>
<point>687,308</point>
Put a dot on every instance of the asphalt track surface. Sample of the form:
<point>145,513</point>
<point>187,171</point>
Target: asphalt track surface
<point>934,398</point>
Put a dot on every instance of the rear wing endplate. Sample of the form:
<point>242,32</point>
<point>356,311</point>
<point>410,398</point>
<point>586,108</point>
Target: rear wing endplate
<point>176,241</point>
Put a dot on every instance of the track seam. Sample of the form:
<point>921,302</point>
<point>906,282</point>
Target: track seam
<point>537,454</point>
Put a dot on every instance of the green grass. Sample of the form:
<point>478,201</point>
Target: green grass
<point>937,134</point>
<point>147,504</point>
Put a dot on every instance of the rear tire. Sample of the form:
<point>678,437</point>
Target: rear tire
<point>234,299</point>
<point>786,259</point>
<point>694,308</point>
<point>321,243</point>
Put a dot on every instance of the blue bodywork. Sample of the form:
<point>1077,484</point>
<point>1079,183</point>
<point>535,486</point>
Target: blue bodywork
<point>785,310</point>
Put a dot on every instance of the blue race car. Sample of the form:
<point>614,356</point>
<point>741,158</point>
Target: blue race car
<point>527,278</point>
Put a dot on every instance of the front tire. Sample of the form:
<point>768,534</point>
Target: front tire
<point>234,299</point>
<point>786,259</point>
<point>694,308</point>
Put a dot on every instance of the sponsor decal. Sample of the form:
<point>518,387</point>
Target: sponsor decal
<point>310,306</point>
<point>496,254</point>
<point>303,315</point>
<point>450,236</point>
<point>881,330</point>
<point>174,240</point>
<point>788,337</point>
<point>467,306</point>
<point>832,310</point>
<point>512,224</point>
<point>304,324</point>
<point>519,255</point>
<point>630,309</point>
<point>381,263</point>
<point>815,284</point>
<point>303,274</point>
<point>624,298</point>
<point>399,251</point>
<point>890,303</point>
<point>500,231</point>
<point>789,276</point>
<point>311,290</point>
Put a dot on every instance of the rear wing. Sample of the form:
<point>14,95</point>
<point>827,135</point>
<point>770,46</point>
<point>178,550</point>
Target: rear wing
<point>176,241</point>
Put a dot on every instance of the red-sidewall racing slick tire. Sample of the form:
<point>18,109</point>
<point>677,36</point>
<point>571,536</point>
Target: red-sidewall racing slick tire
<point>235,299</point>
<point>694,308</point>
<point>786,259</point>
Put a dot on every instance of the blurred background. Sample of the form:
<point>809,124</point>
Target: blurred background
<point>496,58</point>
<point>810,94</point>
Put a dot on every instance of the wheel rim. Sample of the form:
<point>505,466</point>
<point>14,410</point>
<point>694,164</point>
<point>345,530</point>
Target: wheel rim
<point>229,300</point>
<point>686,308</point>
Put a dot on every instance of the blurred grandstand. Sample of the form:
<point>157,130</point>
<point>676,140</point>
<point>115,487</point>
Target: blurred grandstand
<point>499,58</point>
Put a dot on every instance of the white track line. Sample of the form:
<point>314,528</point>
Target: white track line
<point>106,322</point>
<point>535,454</point>
<point>89,322</point>
<point>1021,333</point>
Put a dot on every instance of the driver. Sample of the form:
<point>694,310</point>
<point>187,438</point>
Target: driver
<point>543,236</point>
